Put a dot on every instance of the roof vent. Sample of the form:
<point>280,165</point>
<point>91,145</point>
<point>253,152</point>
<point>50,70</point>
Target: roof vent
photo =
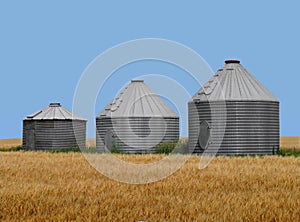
<point>54,105</point>
<point>34,115</point>
<point>232,61</point>
<point>137,80</point>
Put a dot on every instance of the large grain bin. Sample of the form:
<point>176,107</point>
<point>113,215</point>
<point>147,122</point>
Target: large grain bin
<point>53,128</point>
<point>136,121</point>
<point>235,113</point>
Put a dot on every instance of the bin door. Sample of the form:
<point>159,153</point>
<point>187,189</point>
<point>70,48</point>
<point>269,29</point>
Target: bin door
<point>204,134</point>
<point>109,139</point>
<point>30,139</point>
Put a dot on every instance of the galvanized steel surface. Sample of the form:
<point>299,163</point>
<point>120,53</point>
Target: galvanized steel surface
<point>251,120</point>
<point>138,100</point>
<point>251,127</point>
<point>54,111</point>
<point>53,134</point>
<point>234,83</point>
<point>53,128</point>
<point>132,135</point>
<point>134,120</point>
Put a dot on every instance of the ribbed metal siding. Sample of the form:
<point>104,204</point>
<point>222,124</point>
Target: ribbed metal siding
<point>252,127</point>
<point>53,134</point>
<point>126,127</point>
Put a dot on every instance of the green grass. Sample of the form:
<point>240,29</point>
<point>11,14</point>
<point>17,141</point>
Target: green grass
<point>289,152</point>
<point>65,150</point>
<point>11,149</point>
<point>162,148</point>
<point>175,147</point>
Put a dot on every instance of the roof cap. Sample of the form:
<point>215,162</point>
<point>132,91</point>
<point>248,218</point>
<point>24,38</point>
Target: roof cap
<point>137,80</point>
<point>232,61</point>
<point>54,105</point>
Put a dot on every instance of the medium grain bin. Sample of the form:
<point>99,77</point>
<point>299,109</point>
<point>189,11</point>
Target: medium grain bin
<point>136,121</point>
<point>233,114</point>
<point>53,128</point>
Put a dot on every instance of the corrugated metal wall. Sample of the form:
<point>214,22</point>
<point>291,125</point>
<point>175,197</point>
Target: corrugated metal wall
<point>252,127</point>
<point>133,134</point>
<point>53,134</point>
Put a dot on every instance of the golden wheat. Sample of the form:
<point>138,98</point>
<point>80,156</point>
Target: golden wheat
<point>40,186</point>
<point>290,142</point>
<point>8,143</point>
<point>286,142</point>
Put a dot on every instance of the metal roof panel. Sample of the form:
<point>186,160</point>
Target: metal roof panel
<point>137,100</point>
<point>234,83</point>
<point>54,112</point>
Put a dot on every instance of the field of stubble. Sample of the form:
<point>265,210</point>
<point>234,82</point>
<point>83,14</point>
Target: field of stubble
<point>39,186</point>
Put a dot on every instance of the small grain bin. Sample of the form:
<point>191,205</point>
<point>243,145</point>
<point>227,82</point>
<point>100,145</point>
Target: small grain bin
<point>250,123</point>
<point>136,121</point>
<point>53,128</point>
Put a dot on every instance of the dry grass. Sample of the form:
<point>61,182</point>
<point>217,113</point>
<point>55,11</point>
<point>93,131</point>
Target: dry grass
<point>288,142</point>
<point>90,142</point>
<point>8,143</point>
<point>285,142</point>
<point>39,186</point>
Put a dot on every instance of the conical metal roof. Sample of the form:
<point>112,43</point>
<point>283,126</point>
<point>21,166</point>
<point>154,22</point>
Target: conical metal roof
<point>54,112</point>
<point>234,83</point>
<point>137,100</point>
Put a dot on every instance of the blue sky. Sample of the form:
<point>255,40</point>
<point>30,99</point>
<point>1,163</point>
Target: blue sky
<point>46,45</point>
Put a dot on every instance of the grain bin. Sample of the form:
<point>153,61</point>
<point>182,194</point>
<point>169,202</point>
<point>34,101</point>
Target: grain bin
<point>136,121</point>
<point>53,128</point>
<point>233,114</point>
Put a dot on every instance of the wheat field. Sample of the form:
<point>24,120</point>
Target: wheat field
<point>8,143</point>
<point>41,186</point>
<point>290,142</point>
<point>286,142</point>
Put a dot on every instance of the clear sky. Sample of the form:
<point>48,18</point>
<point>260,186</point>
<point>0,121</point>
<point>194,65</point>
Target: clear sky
<point>46,45</point>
